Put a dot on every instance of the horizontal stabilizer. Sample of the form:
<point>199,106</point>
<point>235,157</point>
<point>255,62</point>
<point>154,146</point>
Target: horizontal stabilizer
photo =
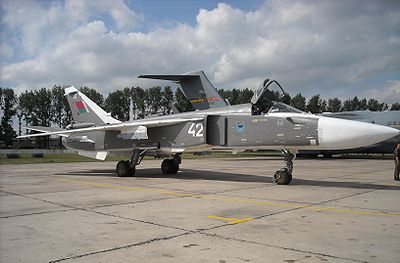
<point>175,78</point>
<point>44,129</point>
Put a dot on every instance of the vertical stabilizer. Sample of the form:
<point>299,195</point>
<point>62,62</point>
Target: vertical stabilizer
<point>201,92</point>
<point>197,89</point>
<point>85,111</point>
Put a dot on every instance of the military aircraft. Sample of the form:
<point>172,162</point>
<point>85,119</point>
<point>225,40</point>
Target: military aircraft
<point>265,123</point>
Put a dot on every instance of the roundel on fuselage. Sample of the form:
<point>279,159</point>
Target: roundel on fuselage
<point>240,127</point>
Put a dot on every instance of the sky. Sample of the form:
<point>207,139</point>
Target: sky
<point>332,48</point>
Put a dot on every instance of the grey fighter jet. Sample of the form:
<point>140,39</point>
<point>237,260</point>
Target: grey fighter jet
<point>265,123</point>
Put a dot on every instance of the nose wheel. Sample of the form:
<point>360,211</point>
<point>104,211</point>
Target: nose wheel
<point>284,175</point>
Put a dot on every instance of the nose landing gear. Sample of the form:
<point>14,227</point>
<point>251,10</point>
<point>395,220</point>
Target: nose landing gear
<point>284,175</point>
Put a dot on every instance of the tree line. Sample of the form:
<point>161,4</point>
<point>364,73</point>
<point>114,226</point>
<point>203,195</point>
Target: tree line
<point>47,107</point>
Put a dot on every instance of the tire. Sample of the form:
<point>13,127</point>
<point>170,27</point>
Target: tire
<point>124,169</point>
<point>132,171</point>
<point>282,177</point>
<point>169,166</point>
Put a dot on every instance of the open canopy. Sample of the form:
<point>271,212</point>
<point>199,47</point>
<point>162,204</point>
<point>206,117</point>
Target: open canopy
<point>270,97</point>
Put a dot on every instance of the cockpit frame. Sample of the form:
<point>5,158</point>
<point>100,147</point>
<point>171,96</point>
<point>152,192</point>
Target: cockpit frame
<point>269,98</point>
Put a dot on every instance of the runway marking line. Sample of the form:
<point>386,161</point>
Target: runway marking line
<point>231,221</point>
<point>231,199</point>
<point>392,185</point>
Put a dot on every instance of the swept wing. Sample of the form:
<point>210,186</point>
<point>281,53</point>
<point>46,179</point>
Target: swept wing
<point>112,127</point>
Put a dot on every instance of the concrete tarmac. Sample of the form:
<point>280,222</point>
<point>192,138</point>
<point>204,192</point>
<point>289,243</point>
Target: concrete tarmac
<point>213,210</point>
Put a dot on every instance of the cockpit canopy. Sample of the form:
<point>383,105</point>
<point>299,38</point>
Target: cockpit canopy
<point>270,97</point>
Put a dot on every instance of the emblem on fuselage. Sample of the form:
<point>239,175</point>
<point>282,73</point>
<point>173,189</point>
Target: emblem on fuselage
<point>240,127</point>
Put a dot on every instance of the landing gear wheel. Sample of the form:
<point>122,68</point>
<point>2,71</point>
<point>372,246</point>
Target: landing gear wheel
<point>282,177</point>
<point>169,166</point>
<point>124,169</point>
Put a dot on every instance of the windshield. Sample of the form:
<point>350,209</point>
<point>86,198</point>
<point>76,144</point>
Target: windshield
<point>270,94</point>
<point>282,107</point>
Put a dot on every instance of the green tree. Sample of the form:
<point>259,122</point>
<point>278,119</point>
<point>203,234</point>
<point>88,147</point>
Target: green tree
<point>92,94</point>
<point>298,102</point>
<point>138,97</point>
<point>347,105</point>
<point>245,96</point>
<point>323,105</point>
<point>351,104</point>
<point>27,105</point>
<point>44,107</point>
<point>1,97</point>
<point>117,103</point>
<point>37,107</point>
<point>362,104</point>
<point>62,112</point>
<point>19,117</point>
<point>153,100</point>
<point>8,106</point>
<point>374,105</point>
<point>167,100</point>
<point>236,96</point>
<point>395,106</point>
<point>315,104</point>
<point>334,105</point>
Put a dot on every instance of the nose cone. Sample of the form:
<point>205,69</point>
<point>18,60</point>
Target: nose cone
<point>336,134</point>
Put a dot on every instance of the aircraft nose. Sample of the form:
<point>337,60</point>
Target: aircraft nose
<point>338,134</point>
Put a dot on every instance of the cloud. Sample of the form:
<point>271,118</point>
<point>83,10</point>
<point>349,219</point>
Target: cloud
<point>389,93</point>
<point>335,48</point>
<point>6,51</point>
<point>123,16</point>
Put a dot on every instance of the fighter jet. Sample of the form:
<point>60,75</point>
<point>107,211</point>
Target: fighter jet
<point>265,123</point>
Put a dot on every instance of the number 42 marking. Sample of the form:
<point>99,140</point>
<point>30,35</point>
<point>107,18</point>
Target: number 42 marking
<point>196,130</point>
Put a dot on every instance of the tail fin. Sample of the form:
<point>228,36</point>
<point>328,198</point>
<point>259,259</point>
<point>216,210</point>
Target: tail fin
<point>85,111</point>
<point>197,89</point>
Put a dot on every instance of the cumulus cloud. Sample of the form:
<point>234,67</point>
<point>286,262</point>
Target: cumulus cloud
<point>389,92</point>
<point>334,48</point>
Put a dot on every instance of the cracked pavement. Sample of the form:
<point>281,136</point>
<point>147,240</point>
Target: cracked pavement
<point>338,210</point>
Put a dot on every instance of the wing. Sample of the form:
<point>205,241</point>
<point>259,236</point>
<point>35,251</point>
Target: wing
<point>123,127</point>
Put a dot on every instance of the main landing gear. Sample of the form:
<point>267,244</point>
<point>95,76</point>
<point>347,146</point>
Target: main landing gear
<point>284,175</point>
<point>171,166</point>
<point>128,168</point>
